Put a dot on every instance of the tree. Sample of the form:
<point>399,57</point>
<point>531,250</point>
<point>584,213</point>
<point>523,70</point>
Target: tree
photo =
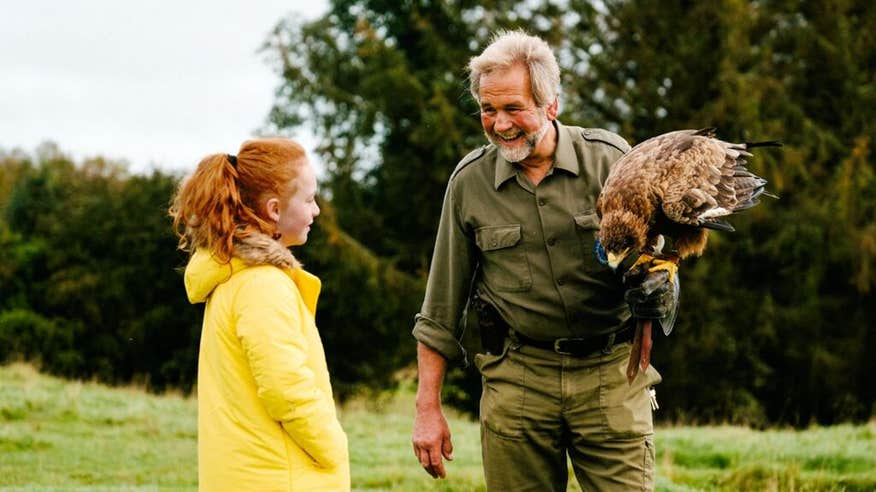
<point>776,315</point>
<point>382,84</point>
<point>90,258</point>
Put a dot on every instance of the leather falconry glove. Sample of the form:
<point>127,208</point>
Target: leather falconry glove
<point>654,298</point>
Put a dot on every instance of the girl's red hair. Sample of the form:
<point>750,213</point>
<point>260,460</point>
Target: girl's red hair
<point>223,200</point>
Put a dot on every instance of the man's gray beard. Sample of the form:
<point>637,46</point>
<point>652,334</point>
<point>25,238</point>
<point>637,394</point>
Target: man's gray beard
<point>520,153</point>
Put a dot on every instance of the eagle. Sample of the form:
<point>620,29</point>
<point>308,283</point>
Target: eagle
<point>674,186</point>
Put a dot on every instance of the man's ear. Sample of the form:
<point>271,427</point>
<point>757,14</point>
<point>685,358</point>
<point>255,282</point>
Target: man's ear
<point>272,209</point>
<point>553,110</point>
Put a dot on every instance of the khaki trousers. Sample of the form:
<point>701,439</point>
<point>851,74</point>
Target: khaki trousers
<point>538,407</point>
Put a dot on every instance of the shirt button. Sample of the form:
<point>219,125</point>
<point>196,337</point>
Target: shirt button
<point>560,281</point>
<point>541,202</point>
<point>552,241</point>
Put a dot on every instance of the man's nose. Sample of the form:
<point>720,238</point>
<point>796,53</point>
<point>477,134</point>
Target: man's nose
<point>503,122</point>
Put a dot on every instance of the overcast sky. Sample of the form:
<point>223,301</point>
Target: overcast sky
<point>157,83</point>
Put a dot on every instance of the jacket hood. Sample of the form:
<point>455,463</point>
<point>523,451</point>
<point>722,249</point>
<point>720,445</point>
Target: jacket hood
<point>205,272</point>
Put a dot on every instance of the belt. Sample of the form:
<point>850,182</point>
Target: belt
<point>578,347</point>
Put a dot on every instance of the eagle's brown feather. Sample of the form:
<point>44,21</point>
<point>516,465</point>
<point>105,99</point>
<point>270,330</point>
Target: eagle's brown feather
<point>678,185</point>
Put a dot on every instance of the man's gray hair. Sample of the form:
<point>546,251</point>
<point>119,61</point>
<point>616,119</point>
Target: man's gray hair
<point>510,47</point>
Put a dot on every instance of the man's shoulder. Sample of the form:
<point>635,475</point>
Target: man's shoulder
<point>472,158</point>
<point>601,136</point>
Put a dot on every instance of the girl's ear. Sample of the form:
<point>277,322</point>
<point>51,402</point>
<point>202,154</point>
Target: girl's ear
<point>272,209</point>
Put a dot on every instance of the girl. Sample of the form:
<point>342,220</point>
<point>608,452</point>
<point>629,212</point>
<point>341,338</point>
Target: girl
<point>266,417</point>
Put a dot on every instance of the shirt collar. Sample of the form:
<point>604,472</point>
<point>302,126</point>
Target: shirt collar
<point>566,158</point>
<point>564,154</point>
<point>504,170</point>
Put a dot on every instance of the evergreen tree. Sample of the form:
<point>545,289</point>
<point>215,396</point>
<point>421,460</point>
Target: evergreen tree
<point>776,315</point>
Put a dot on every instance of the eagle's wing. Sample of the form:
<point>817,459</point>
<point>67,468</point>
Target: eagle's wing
<point>705,179</point>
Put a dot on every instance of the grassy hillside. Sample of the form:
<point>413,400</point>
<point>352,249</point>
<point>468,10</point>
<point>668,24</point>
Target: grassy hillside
<point>61,436</point>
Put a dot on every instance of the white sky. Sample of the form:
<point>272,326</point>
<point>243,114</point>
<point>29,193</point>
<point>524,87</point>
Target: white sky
<point>156,83</point>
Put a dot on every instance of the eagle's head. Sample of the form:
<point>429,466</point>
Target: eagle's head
<point>621,233</point>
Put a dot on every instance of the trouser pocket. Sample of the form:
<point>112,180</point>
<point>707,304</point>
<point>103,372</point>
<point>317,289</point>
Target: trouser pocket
<point>626,407</point>
<point>502,398</point>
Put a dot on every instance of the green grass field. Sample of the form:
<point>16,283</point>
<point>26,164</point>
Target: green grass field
<point>58,435</point>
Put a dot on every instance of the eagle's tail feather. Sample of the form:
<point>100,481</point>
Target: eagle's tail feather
<point>717,224</point>
<point>745,205</point>
<point>767,143</point>
<point>742,172</point>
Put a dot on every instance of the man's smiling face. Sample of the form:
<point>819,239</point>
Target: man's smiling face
<point>509,115</point>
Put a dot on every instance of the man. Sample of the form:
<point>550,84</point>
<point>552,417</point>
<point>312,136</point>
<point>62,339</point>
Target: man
<point>516,234</point>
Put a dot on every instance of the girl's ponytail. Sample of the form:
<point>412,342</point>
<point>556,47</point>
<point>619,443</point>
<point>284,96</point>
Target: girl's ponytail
<point>205,206</point>
<point>220,201</point>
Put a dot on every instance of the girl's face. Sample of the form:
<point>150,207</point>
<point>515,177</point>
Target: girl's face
<point>295,217</point>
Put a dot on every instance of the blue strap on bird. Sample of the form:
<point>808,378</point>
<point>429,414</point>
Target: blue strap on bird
<point>599,253</point>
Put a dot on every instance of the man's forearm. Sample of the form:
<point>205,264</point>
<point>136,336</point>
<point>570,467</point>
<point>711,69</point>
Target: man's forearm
<point>431,367</point>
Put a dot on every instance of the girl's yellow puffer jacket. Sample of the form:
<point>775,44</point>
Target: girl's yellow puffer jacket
<point>266,417</point>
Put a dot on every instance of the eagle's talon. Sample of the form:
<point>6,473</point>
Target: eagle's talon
<point>668,265</point>
<point>639,268</point>
<point>644,258</point>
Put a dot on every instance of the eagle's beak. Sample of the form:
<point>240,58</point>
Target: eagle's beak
<point>615,259</point>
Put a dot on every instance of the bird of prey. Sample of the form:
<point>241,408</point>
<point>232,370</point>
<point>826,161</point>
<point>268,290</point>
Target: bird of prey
<point>673,186</point>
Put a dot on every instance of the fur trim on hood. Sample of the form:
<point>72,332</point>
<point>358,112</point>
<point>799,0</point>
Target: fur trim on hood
<point>261,249</point>
<point>204,272</point>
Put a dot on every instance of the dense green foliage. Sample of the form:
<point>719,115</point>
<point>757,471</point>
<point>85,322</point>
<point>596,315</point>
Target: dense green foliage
<point>776,319</point>
<point>91,283</point>
<point>61,435</point>
<point>87,273</point>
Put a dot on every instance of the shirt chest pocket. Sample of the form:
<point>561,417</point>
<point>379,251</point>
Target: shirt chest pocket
<point>587,227</point>
<point>503,258</point>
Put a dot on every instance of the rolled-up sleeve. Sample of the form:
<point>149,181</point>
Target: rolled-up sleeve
<point>438,324</point>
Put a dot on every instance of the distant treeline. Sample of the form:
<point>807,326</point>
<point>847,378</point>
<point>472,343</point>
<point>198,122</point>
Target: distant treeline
<point>91,281</point>
<point>777,320</point>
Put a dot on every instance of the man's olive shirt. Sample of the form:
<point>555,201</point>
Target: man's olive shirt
<point>527,249</point>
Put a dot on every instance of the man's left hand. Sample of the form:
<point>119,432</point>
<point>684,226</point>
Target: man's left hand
<point>655,298</point>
